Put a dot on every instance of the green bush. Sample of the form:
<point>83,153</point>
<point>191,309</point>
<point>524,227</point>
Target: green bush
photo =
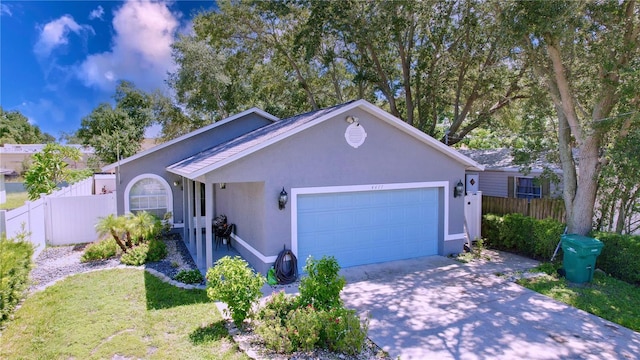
<point>342,331</point>
<point>516,233</point>
<point>322,286</point>
<point>491,230</point>
<point>233,282</point>
<point>620,256</point>
<point>303,326</point>
<point>100,250</point>
<point>15,264</point>
<point>288,323</point>
<point>547,234</point>
<point>189,276</point>
<point>136,255</point>
<point>157,250</point>
<point>522,234</point>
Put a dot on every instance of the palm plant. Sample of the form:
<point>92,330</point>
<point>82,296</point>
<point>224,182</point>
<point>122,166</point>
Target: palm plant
<point>114,226</point>
<point>143,226</point>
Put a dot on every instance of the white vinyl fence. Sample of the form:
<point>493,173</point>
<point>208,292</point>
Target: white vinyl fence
<point>67,216</point>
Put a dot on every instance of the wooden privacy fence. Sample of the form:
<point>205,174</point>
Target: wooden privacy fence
<point>536,208</point>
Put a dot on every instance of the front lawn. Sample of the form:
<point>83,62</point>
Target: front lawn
<point>14,200</point>
<point>606,297</point>
<point>120,313</point>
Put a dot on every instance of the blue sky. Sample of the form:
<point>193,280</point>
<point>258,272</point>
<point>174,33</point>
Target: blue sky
<point>60,59</point>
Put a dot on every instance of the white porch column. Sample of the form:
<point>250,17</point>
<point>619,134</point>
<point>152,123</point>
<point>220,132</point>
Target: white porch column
<point>199,252</point>
<point>208,201</point>
<point>186,211</point>
<point>192,236</point>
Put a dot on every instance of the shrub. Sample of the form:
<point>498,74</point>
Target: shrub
<point>620,256</point>
<point>274,334</point>
<point>516,233</point>
<point>491,229</point>
<point>189,276</point>
<point>322,286</point>
<point>100,250</point>
<point>278,305</point>
<point>303,326</point>
<point>343,332</point>
<point>157,250</point>
<point>234,283</point>
<point>547,234</point>
<point>136,256</point>
<point>15,264</point>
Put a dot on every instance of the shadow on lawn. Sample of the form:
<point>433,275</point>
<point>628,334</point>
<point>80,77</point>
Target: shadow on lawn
<point>161,295</point>
<point>212,332</point>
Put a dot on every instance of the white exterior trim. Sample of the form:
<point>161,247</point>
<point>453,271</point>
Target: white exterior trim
<point>251,249</point>
<point>164,182</point>
<point>255,110</point>
<point>370,187</point>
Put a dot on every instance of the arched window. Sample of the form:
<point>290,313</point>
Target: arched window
<point>150,193</point>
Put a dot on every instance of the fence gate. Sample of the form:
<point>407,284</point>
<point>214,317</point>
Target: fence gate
<point>72,219</point>
<point>473,215</point>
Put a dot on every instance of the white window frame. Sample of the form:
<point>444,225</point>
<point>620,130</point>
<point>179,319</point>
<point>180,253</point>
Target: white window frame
<point>167,188</point>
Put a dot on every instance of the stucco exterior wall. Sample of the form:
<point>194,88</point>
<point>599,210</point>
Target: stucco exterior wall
<point>156,162</point>
<point>320,157</point>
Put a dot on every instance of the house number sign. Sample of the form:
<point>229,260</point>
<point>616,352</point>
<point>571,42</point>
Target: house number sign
<point>355,135</point>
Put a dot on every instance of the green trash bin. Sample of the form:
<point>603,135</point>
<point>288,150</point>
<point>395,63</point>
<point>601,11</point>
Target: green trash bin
<point>580,253</point>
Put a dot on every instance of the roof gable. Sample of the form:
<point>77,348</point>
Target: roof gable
<point>184,137</point>
<point>223,154</point>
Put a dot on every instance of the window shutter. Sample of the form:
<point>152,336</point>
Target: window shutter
<point>510,186</point>
<point>546,187</point>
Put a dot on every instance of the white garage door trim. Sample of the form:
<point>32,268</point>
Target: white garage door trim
<point>370,187</point>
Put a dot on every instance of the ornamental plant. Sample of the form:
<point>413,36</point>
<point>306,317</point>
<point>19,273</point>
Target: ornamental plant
<point>234,283</point>
<point>322,286</point>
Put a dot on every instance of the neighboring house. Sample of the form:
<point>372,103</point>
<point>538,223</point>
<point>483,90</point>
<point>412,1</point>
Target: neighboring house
<point>15,156</point>
<point>503,178</point>
<point>361,185</point>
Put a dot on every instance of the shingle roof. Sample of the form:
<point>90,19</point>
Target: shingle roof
<point>195,164</point>
<point>503,159</point>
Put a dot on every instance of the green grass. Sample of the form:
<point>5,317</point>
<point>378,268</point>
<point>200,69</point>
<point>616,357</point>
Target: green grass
<point>606,297</point>
<point>14,200</point>
<point>124,312</point>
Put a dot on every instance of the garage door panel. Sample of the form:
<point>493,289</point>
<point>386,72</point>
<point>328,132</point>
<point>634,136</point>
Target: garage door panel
<point>368,227</point>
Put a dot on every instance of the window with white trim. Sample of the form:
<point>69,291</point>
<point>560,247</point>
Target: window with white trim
<point>150,195</point>
<point>528,188</point>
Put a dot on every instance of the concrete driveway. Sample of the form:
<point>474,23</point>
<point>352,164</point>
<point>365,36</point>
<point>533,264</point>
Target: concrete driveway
<point>436,308</point>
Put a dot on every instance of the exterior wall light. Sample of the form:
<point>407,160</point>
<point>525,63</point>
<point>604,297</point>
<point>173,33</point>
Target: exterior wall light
<point>459,189</point>
<point>282,199</point>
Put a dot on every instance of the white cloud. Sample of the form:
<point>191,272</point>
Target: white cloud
<point>56,33</point>
<point>96,13</point>
<point>141,48</point>
<point>4,9</point>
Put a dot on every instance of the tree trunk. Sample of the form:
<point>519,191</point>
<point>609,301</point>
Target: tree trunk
<point>118,241</point>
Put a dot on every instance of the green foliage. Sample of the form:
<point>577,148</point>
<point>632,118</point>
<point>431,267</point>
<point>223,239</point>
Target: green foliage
<point>491,224</point>
<point>157,250</point>
<point>131,230</point>
<point>515,233</point>
<point>522,234</point>
<point>118,130</point>
<point>189,276</point>
<point>100,250</point>
<point>286,326</point>
<point>49,168</point>
<point>15,264</point>
<point>620,256</point>
<point>343,332</point>
<point>322,286</point>
<point>136,255</point>
<point>16,129</point>
<point>153,250</point>
<point>233,282</point>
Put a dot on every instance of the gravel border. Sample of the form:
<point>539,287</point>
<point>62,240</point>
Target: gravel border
<point>56,263</point>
